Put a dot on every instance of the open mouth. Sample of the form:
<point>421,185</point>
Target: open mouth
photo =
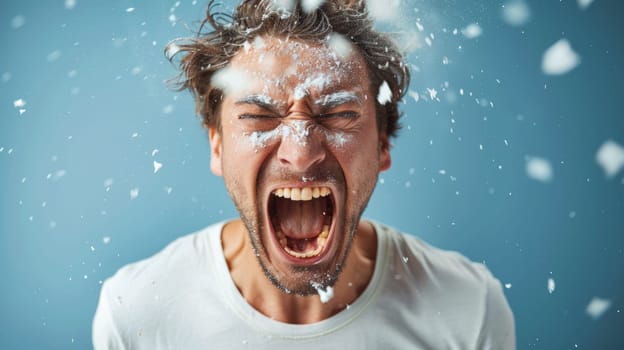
<point>302,219</point>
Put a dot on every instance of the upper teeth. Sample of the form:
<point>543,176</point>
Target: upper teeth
<point>302,194</point>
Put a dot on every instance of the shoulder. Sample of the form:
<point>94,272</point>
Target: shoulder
<point>424,260</point>
<point>462,294</point>
<point>142,295</point>
<point>184,254</point>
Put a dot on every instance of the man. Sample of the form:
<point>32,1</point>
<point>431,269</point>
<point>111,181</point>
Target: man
<point>300,104</point>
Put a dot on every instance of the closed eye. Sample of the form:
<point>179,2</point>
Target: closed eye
<point>343,114</point>
<point>343,120</point>
<point>256,116</point>
<point>259,122</point>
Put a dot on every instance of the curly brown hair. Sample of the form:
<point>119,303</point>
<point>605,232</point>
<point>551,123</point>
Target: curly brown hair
<point>211,51</point>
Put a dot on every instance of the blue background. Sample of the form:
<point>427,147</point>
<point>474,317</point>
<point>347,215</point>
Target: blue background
<point>97,107</point>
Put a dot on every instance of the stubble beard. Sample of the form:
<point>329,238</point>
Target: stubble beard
<point>309,276</point>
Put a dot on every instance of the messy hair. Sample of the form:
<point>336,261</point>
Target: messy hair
<point>212,50</point>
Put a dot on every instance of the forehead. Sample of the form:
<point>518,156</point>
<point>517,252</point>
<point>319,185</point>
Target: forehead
<point>275,64</point>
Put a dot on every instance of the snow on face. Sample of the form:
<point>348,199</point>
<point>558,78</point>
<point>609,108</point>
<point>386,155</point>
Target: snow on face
<point>325,293</point>
<point>278,77</point>
<point>340,45</point>
<point>229,80</point>
<point>298,131</point>
<point>318,81</point>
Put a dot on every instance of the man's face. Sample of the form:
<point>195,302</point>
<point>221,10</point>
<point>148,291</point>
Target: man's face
<point>300,152</point>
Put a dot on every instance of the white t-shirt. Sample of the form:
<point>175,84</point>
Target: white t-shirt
<point>419,297</point>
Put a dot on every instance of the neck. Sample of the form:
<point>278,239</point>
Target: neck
<point>274,303</point>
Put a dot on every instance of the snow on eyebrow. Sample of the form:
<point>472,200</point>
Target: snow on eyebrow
<point>516,13</point>
<point>472,31</point>
<point>610,157</point>
<point>319,82</point>
<point>262,100</point>
<point>229,80</point>
<point>560,58</point>
<point>539,169</point>
<point>385,94</point>
<point>597,307</point>
<point>338,98</point>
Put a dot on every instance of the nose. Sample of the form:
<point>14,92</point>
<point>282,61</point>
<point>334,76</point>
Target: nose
<point>301,146</point>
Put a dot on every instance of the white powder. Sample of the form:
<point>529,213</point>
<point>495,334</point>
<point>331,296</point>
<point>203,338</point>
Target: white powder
<point>325,293</point>
<point>337,138</point>
<point>560,58</point>
<point>472,31</point>
<point>610,157</point>
<point>385,94</point>
<point>384,10</point>
<point>340,45</point>
<point>157,166</point>
<point>597,307</point>
<point>309,6</point>
<point>258,43</point>
<point>583,4</point>
<point>300,131</point>
<point>259,139</point>
<point>229,80</point>
<point>551,285</point>
<point>337,98</point>
<point>516,13</point>
<point>319,82</point>
<point>539,169</point>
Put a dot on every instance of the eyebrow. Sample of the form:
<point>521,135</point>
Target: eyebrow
<point>338,98</point>
<point>262,101</point>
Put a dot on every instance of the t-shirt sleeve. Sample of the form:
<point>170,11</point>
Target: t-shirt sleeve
<point>498,329</point>
<point>106,333</point>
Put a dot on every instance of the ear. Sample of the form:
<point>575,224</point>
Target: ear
<point>385,160</point>
<point>215,151</point>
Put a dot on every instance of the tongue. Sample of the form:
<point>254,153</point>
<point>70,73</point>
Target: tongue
<point>300,219</point>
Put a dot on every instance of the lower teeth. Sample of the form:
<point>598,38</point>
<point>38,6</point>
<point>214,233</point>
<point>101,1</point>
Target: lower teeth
<point>320,244</point>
